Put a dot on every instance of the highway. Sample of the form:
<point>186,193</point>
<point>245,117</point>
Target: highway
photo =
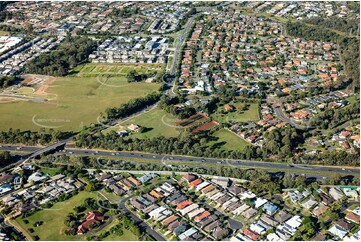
<point>188,159</point>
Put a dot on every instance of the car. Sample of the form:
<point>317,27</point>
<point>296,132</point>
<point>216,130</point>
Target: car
<point>343,169</point>
<point>1,146</point>
<point>219,162</point>
<point>141,155</point>
<point>18,148</point>
<point>171,158</point>
<point>117,153</point>
<point>113,154</point>
<point>70,152</point>
<point>132,153</point>
<point>96,152</point>
<point>86,152</point>
<point>154,156</point>
<point>203,160</point>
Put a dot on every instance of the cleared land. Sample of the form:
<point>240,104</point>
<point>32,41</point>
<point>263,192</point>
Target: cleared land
<point>226,140</point>
<point>77,101</point>
<point>157,123</point>
<point>238,115</point>
<point>95,69</point>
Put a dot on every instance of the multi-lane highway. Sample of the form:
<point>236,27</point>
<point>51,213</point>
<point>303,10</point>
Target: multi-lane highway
<point>188,159</point>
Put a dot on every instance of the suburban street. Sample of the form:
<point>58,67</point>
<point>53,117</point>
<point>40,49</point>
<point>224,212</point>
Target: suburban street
<point>141,223</point>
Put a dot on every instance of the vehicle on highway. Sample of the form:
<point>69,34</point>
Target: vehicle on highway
<point>154,156</point>
<point>70,152</point>
<point>113,154</point>
<point>18,148</point>
<point>96,152</point>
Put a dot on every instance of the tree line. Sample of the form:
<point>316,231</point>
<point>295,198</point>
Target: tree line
<point>5,158</point>
<point>73,51</point>
<point>330,118</point>
<point>131,107</point>
<point>6,81</point>
<point>32,138</point>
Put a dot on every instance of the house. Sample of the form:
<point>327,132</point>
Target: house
<point>336,193</point>
<point>326,200</point>
<point>252,235</point>
<point>319,237</point>
<point>184,204</point>
<point>211,226</point>
<point>103,176</point>
<point>236,190</point>
<point>228,108</point>
<point>195,182</point>
<point>187,233</point>
<point>220,233</point>
<point>270,208</point>
<point>91,219</point>
<point>205,214</point>
<point>221,181</point>
<point>353,217</point>
<point>338,231</point>
<point>269,220</point>
<point>6,178</point>
<point>259,202</point>
<point>319,210</point>
<point>350,193</point>
<point>188,177</point>
<point>133,127</point>
<point>342,223</point>
<point>169,220</point>
<point>181,228</point>
<point>249,213</point>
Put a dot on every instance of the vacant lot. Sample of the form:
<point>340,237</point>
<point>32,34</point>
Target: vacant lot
<point>238,115</point>
<point>53,226</point>
<point>157,123</point>
<point>226,140</point>
<point>77,101</point>
<point>94,69</point>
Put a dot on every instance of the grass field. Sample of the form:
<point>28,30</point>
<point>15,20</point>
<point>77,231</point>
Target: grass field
<point>127,236</point>
<point>238,115</point>
<point>227,141</point>
<point>53,220</point>
<point>156,122</point>
<point>78,102</point>
<point>94,69</point>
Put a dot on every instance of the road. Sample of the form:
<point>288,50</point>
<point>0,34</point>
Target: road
<point>211,161</point>
<point>141,223</point>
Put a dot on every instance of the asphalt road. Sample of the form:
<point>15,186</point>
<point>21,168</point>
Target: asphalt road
<point>169,159</point>
<point>141,223</point>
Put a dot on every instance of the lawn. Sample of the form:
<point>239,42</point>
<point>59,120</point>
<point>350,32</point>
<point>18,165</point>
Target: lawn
<point>53,220</point>
<point>238,115</point>
<point>157,123</point>
<point>127,236</point>
<point>226,140</point>
<point>78,101</point>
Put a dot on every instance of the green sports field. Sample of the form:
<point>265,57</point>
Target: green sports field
<point>77,101</point>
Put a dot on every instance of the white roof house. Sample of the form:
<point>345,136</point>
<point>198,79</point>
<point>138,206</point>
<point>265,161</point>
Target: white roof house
<point>294,222</point>
<point>338,232</point>
<point>259,202</point>
<point>188,209</point>
<point>187,233</point>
